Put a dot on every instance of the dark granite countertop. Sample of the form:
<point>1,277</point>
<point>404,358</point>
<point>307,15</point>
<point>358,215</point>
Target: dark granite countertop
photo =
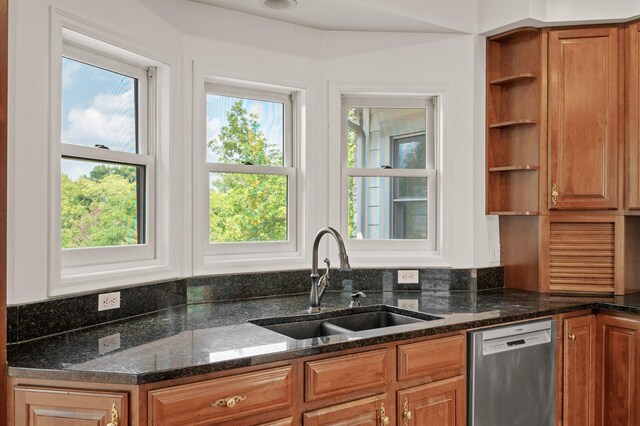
<point>203,338</point>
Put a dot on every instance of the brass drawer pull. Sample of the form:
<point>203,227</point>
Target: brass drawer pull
<point>406,413</point>
<point>383,416</point>
<point>229,402</point>
<point>115,417</point>
<point>554,194</point>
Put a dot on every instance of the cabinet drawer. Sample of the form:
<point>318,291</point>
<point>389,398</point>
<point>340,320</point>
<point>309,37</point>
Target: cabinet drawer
<point>346,374</point>
<point>52,406</point>
<point>366,411</point>
<point>432,360</point>
<point>205,402</point>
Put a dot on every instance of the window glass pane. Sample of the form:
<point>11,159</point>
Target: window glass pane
<point>379,137</point>
<point>98,107</point>
<point>100,204</point>
<point>382,208</point>
<point>247,207</point>
<point>244,131</point>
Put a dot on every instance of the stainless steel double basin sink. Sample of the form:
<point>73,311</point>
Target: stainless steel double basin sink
<point>343,322</point>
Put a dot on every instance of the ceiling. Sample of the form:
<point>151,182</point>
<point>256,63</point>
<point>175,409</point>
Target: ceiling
<point>344,15</point>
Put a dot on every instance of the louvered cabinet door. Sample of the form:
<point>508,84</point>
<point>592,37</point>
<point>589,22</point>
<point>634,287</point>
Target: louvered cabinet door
<point>582,255</point>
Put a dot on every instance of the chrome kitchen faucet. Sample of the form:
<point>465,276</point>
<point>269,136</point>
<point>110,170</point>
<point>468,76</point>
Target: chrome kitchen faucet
<point>320,284</point>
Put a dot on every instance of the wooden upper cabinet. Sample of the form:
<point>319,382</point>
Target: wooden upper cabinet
<point>583,118</point>
<point>632,91</point>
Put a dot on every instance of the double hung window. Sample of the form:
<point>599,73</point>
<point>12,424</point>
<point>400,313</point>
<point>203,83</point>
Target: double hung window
<point>106,159</point>
<point>388,171</point>
<point>250,165</point>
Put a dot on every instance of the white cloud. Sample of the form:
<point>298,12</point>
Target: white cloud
<point>214,125</point>
<point>69,70</point>
<point>109,120</point>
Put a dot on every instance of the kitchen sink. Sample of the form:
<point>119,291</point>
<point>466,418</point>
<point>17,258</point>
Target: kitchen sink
<point>342,322</point>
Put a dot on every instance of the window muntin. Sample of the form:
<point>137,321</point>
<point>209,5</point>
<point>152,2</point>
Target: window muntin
<point>388,169</point>
<point>251,172</point>
<point>103,107</point>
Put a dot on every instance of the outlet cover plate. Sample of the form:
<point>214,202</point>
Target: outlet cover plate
<point>409,304</point>
<point>109,301</point>
<point>108,343</point>
<point>408,276</point>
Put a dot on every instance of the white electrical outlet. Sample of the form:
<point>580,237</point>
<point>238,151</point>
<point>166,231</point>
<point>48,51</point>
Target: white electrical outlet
<point>408,276</point>
<point>410,304</point>
<point>108,301</point>
<point>108,343</point>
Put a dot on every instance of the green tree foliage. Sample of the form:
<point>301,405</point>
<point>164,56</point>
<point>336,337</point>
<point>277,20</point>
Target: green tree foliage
<point>246,207</point>
<point>100,209</point>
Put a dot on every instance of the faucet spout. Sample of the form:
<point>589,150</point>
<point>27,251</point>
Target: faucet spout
<point>319,284</point>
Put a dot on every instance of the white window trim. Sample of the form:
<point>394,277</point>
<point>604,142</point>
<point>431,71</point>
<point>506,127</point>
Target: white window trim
<point>392,253</point>
<point>157,259</point>
<point>288,169</point>
<point>265,256</point>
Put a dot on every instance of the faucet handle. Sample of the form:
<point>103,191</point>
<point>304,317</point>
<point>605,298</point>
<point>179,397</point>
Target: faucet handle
<point>355,299</point>
<point>328,262</point>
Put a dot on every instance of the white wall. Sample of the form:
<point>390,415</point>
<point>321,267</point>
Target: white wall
<point>196,32</point>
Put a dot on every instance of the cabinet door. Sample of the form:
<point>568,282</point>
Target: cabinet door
<point>579,371</point>
<point>583,118</point>
<point>372,411</point>
<point>46,406</point>
<point>632,93</point>
<point>618,368</point>
<point>436,404</point>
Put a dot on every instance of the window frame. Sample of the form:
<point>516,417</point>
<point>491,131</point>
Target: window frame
<point>288,97</point>
<point>431,103</point>
<point>89,256</point>
<point>167,194</point>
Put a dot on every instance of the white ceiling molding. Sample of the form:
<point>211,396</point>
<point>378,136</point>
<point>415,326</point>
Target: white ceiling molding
<point>414,16</point>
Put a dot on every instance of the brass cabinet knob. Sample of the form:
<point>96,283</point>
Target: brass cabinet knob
<point>115,417</point>
<point>228,402</point>
<point>383,416</point>
<point>572,337</point>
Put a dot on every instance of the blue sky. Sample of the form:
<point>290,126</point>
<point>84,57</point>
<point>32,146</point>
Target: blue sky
<point>270,118</point>
<point>98,107</point>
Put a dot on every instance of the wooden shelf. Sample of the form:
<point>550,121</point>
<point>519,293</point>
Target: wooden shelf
<point>514,33</point>
<point>513,168</point>
<point>513,123</point>
<point>512,79</point>
<point>511,213</point>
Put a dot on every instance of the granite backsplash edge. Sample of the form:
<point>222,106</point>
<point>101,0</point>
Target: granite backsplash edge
<point>41,319</point>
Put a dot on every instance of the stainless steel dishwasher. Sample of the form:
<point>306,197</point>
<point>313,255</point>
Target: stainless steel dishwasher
<point>512,375</point>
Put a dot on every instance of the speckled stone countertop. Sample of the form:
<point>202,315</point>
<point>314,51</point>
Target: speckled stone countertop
<point>203,338</point>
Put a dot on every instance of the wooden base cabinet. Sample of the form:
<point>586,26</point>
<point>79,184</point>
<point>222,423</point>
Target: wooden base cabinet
<point>618,369</point>
<point>579,372</point>
<point>48,406</point>
<point>441,403</point>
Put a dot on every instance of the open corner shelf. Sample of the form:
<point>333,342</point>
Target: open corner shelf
<point>513,213</point>
<point>513,123</point>
<point>525,167</point>
<point>508,35</point>
<point>512,79</point>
